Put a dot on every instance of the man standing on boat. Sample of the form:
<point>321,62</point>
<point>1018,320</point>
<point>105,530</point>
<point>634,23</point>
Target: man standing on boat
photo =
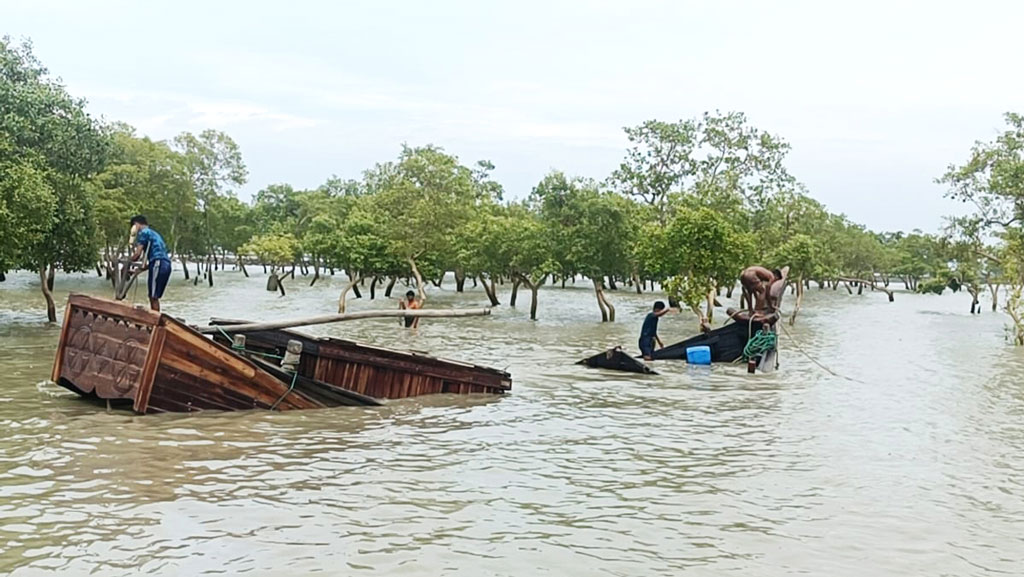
<point>649,331</point>
<point>149,244</point>
<point>410,303</point>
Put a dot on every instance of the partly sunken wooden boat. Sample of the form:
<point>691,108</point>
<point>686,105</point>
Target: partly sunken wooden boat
<point>372,371</point>
<point>617,360</point>
<point>726,345</point>
<point>112,351</point>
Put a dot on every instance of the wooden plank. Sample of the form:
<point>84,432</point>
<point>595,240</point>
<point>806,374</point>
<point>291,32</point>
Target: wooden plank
<point>59,356</point>
<point>385,358</point>
<point>325,319</point>
<point>366,356</point>
<point>215,377</point>
<point>261,386</point>
<point>221,354</point>
<point>114,309</point>
<point>172,394</point>
<point>156,351</point>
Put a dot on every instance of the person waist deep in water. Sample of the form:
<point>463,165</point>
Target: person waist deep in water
<point>410,303</point>
<point>649,330</point>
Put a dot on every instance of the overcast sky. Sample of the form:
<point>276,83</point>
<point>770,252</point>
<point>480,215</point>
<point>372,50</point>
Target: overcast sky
<point>876,98</point>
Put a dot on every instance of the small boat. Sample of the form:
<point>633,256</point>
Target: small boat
<point>369,370</point>
<point>112,351</point>
<point>617,360</point>
<point>726,344</point>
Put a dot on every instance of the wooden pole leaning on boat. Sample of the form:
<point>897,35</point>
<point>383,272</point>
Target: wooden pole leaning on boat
<point>325,319</point>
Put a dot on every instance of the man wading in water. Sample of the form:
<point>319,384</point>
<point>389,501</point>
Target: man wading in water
<point>410,303</point>
<point>150,244</point>
<point>649,332</point>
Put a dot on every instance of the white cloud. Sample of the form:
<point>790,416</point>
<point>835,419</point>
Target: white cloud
<point>153,112</point>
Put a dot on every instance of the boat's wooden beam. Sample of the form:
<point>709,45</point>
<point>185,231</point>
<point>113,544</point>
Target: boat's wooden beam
<point>325,319</point>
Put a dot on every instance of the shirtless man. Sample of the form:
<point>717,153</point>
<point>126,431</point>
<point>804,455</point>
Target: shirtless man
<point>755,281</point>
<point>410,303</point>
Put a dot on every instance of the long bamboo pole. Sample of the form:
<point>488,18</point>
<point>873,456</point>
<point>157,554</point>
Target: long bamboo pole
<point>325,319</point>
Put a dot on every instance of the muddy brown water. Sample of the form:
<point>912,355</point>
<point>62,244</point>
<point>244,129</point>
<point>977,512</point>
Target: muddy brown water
<point>917,469</point>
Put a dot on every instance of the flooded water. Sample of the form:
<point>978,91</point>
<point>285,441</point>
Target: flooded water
<point>916,467</point>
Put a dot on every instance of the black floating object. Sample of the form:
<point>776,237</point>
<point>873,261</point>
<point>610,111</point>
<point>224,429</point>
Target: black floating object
<point>726,343</point>
<point>617,360</point>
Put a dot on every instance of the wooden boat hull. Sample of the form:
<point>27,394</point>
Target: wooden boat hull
<point>617,360</point>
<point>374,371</point>
<point>109,350</point>
<point>726,343</point>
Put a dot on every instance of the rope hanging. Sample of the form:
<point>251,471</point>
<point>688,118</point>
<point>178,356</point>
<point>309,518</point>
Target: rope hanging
<point>760,343</point>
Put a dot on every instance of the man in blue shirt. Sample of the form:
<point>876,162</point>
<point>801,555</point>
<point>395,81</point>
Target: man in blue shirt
<point>649,332</point>
<point>150,244</point>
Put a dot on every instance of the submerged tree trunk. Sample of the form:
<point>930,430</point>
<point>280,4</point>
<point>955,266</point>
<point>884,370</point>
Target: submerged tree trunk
<point>702,322</point>
<point>638,284</point>
<point>515,292</point>
<point>711,302</point>
<point>316,271</point>
<point>209,269</point>
<point>860,283</point>
<point>799,300</point>
<point>390,287</point>
<point>355,280</point>
<point>1013,308</point>
<point>373,287</point>
<point>460,280</point>
<point>241,265</point>
<point>342,300</point>
<point>729,290</point>
<point>46,284</point>
<point>491,289</point>
<point>994,289</point>
<point>607,309</point>
<point>534,289</point>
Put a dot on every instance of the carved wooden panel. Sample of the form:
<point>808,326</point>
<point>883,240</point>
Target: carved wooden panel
<point>104,354</point>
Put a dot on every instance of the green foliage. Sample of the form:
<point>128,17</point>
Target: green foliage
<point>697,250</point>
<point>720,159</point>
<point>802,255</point>
<point>421,200</point>
<point>49,148</point>
<point>933,286</point>
<point>589,228</point>
<point>274,248</point>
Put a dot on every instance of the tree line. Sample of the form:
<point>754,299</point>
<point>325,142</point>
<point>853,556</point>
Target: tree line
<point>692,203</point>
